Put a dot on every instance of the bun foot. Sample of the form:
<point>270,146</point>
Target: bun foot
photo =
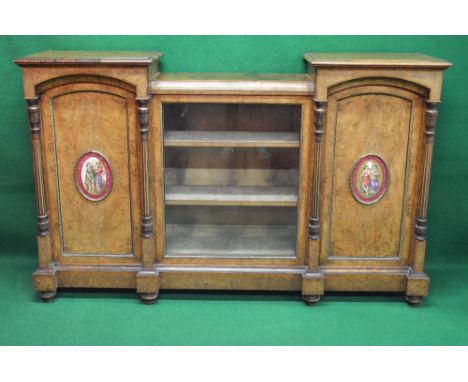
<point>47,296</point>
<point>414,300</point>
<point>311,300</point>
<point>148,298</point>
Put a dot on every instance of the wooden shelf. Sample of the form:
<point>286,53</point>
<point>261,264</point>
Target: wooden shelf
<point>229,241</point>
<point>231,195</point>
<point>230,139</point>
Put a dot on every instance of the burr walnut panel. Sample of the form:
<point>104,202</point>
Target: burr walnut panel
<point>365,124</point>
<point>90,118</point>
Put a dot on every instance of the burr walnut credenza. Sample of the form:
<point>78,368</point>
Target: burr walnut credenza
<point>309,182</point>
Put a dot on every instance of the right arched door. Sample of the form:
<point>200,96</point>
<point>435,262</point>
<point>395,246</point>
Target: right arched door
<point>372,146</point>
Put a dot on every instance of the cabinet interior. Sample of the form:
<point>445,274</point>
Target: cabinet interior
<point>231,179</point>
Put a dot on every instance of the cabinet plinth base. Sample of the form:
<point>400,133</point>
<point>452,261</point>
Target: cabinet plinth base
<point>311,285</point>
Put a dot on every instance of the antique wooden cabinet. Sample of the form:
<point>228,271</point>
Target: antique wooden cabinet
<point>309,182</point>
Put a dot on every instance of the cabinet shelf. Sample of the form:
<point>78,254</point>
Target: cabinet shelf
<point>230,139</point>
<point>230,241</point>
<point>231,195</point>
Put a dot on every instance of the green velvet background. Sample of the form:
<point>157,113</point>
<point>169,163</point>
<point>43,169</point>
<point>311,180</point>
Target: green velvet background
<point>202,318</point>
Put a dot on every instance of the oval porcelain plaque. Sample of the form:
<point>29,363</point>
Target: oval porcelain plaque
<point>369,179</point>
<point>93,176</point>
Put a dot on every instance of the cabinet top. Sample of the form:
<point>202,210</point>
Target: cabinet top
<point>402,60</point>
<point>232,83</point>
<point>70,57</point>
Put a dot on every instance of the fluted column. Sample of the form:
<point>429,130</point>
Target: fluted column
<point>143,119</point>
<point>314,221</point>
<point>147,279</point>
<point>35,130</point>
<point>430,121</point>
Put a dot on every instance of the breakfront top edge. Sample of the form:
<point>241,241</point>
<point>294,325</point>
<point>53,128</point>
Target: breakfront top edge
<point>123,58</point>
<point>396,60</point>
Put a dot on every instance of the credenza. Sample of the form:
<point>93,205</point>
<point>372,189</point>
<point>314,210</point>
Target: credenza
<point>308,182</point>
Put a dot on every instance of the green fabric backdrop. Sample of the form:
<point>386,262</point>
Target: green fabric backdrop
<point>101,317</point>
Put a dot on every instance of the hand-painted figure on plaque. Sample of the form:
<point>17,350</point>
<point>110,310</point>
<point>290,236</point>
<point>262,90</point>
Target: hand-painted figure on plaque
<point>99,176</point>
<point>89,178</point>
<point>93,176</point>
<point>369,179</point>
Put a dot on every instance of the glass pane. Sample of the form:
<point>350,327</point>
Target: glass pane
<point>231,179</point>
<point>231,166</point>
<point>232,117</point>
<point>227,232</point>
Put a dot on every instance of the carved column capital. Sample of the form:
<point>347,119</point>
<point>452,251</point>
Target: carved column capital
<point>430,120</point>
<point>143,116</point>
<point>319,114</point>
<point>34,116</point>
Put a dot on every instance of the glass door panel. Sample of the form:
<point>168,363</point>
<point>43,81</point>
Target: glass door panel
<point>232,231</point>
<point>231,180</point>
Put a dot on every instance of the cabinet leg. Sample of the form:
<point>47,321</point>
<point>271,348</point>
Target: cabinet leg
<point>45,282</point>
<point>417,288</point>
<point>313,286</point>
<point>311,300</point>
<point>47,296</point>
<point>414,300</point>
<point>148,286</point>
<point>148,298</point>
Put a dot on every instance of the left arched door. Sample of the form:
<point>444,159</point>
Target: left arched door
<point>91,158</point>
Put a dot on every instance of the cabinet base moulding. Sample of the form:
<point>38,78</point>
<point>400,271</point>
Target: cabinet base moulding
<point>147,283</point>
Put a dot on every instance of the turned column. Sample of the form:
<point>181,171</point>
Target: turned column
<point>146,218</point>
<point>418,281</point>
<point>313,281</point>
<point>314,221</point>
<point>147,279</point>
<point>44,277</point>
<point>35,130</point>
<point>421,220</point>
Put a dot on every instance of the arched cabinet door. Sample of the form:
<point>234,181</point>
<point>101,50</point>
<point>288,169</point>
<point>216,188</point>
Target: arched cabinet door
<point>91,140</point>
<point>372,146</point>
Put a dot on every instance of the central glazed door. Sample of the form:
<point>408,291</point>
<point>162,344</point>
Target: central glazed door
<point>234,175</point>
